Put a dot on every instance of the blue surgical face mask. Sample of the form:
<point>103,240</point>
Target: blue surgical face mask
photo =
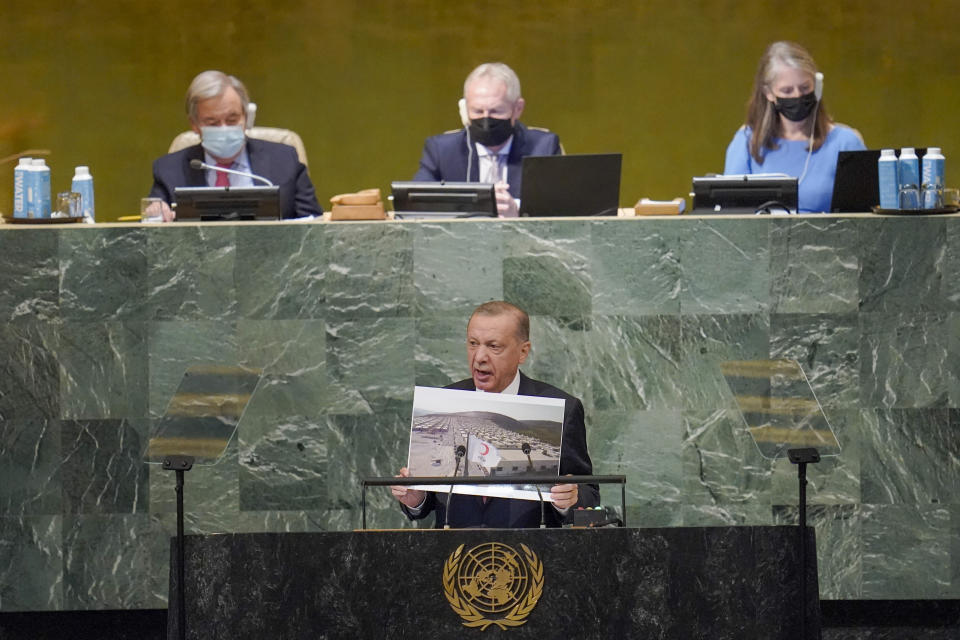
<point>222,142</point>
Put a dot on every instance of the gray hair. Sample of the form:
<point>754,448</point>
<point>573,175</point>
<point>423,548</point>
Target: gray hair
<point>787,54</point>
<point>210,84</point>
<point>501,308</point>
<point>496,71</point>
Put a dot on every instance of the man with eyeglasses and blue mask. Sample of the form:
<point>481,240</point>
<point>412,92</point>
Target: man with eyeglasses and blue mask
<point>492,143</point>
<point>217,105</point>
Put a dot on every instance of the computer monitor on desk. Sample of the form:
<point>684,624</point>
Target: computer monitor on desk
<point>757,193</point>
<point>442,200</point>
<point>227,204</point>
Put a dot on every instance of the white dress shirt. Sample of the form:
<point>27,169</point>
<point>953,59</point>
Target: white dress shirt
<point>241,163</point>
<point>486,161</point>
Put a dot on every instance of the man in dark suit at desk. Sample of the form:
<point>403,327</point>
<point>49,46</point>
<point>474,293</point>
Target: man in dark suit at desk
<point>492,142</point>
<point>217,107</point>
<point>498,342</point>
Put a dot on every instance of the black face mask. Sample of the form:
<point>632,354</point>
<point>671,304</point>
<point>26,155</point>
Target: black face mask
<point>490,132</point>
<point>797,109</point>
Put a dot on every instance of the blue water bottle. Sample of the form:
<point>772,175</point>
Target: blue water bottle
<point>20,176</point>
<point>887,179</point>
<point>42,188</point>
<point>909,179</point>
<point>932,174</point>
<point>83,184</point>
<point>32,189</point>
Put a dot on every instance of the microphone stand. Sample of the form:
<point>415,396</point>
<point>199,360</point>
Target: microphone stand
<point>446,481</point>
<point>180,464</point>
<point>26,153</point>
<point>461,451</point>
<point>802,457</point>
<point>199,165</point>
<point>525,447</point>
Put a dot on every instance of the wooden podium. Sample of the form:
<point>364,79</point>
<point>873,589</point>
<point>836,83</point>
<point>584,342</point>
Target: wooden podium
<point>712,582</point>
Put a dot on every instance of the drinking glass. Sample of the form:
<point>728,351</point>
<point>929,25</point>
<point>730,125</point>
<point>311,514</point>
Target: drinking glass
<point>932,196</point>
<point>151,209</point>
<point>68,205</point>
<point>951,197</point>
<point>909,197</point>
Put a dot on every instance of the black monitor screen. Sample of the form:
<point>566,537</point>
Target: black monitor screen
<point>443,199</point>
<point>585,184</point>
<point>227,203</point>
<point>856,187</point>
<point>745,194</point>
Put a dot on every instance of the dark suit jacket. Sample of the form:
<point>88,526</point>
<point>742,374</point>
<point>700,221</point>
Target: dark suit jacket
<point>276,162</point>
<point>470,511</point>
<point>445,156</point>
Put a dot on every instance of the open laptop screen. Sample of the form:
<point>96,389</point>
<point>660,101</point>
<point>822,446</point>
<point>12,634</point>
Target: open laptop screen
<point>856,187</point>
<point>575,185</point>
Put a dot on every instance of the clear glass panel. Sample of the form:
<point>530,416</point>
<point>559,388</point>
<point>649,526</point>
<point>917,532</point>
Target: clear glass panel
<point>203,414</point>
<point>778,407</point>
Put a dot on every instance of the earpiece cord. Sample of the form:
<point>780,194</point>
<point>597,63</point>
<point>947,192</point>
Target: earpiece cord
<point>818,91</point>
<point>469,154</point>
<point>813,128</point>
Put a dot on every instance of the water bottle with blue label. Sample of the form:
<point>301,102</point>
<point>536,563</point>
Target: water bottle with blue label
<point>42,188</point>
<point>33,192</point>
<point>909,179</point>
<point>20,186</point>
<point>887,179</point>
<point>83,184</point>
<point>932,175</point>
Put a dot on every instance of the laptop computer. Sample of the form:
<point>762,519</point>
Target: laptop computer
<point>574,185</point>
<point>856,187</point>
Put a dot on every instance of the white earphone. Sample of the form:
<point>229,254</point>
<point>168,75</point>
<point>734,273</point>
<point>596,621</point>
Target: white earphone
<point>465,120</point>
<point>818,85</point>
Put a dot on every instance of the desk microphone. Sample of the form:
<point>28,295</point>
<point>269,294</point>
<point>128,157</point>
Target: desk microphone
<point>199,165</point>
<point>525,447</point>
<point>461,451</point>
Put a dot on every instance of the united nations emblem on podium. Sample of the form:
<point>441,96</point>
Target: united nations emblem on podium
<point>493,584</point>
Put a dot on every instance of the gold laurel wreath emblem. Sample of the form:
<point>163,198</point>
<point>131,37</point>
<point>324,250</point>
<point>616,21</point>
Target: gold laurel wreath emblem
<point>473,618</point>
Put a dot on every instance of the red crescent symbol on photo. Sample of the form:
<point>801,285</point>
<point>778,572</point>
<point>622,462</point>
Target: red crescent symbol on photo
<point>486,449</point>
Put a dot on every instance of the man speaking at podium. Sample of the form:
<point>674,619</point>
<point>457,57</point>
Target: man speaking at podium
<point>498,342</point>
<point>492,143</point>
<point>217,107</point>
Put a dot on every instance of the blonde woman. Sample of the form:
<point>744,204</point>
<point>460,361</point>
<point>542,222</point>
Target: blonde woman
<point>788,129</point>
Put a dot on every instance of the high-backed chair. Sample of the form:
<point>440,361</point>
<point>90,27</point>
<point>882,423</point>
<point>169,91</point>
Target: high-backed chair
<point>272,134</point>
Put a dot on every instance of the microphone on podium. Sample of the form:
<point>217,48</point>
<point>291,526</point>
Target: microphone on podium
<point>460,451</point>
<point>525,447</point>
<point>199,165</point>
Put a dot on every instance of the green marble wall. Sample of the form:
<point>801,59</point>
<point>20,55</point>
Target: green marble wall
<point>99,324</point>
